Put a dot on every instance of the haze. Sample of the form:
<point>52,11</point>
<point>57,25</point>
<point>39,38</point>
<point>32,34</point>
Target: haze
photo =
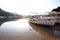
<point>26,6</point>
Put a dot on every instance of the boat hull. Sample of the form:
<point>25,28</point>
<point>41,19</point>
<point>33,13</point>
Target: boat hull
<point>43,22</point>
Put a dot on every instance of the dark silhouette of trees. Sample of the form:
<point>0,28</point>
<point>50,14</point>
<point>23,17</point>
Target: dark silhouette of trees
<point>6,14</point>
<point>56,9</point>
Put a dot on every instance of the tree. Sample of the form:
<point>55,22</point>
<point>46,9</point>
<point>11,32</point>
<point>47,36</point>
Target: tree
<point>56,9</point>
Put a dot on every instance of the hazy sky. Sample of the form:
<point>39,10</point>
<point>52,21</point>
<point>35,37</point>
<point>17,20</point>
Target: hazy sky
<point>26,6</point>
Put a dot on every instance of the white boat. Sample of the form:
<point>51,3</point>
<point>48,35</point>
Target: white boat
<point>50,19</point>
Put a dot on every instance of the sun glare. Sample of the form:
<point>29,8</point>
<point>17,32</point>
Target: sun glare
<point>25,6</point>
<point>19,25</point>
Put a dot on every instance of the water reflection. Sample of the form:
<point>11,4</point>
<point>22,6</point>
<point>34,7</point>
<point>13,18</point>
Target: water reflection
<point>47,31</point>
<point>57,30</point>
<point>18,30</point>
<point>51,32</point>
<point>23,30</point>
<point>5,20</point>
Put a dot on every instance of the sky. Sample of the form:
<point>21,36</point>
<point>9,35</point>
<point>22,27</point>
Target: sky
<point>26,7</point>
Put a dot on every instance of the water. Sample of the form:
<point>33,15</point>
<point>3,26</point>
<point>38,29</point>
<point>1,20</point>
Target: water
<point>23,30</point>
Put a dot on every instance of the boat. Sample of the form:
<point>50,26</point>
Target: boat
<point>50,19</point>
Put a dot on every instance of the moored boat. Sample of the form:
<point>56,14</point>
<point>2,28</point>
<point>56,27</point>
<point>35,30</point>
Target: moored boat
<point>50,19</point>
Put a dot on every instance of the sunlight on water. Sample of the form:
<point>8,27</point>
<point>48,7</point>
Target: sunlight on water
<point>19,29</point>
<point>22,25</point>
<point>18,25</point>
<point>23,30</point>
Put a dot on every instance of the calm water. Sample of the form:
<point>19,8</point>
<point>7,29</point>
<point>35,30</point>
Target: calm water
<point>23,30</point>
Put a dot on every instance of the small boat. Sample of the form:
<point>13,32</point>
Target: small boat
<point>50,19</point>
